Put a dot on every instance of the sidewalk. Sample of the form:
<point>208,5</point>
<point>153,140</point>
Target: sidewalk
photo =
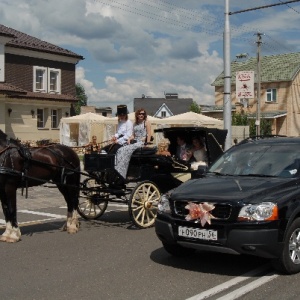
<point>41,196</point>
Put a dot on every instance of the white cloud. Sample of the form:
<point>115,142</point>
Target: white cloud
<point>135,47</point>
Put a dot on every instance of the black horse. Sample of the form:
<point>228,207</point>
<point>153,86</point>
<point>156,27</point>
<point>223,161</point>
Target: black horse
<point>22,167</point>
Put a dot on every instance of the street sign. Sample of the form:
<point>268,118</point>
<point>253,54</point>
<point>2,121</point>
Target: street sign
<point>244,84</point>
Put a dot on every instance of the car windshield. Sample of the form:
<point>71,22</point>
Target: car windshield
<point>272,160</point>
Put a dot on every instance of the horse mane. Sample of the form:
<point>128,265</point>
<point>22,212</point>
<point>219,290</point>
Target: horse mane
<point>4,138</point>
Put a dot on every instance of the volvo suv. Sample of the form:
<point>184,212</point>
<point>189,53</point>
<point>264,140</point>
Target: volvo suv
<point>246,202</point>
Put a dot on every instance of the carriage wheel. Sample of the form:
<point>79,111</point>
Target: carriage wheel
<point>143,204</point>
<point>92,202</point>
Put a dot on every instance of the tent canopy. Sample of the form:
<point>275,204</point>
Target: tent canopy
<point>78,130</point>
<point>192,119</point>
<point>84,118</point>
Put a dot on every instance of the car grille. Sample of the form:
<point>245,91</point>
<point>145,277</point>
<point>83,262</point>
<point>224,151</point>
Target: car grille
<point>221,211</point>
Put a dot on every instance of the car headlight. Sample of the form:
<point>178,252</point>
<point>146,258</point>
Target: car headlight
<point>265,211</point>
<point>164,204</point>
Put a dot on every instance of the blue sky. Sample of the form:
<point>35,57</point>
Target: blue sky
<point>152,47</point>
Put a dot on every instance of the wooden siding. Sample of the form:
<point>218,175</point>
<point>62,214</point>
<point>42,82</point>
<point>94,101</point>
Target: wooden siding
<point>19,72</point>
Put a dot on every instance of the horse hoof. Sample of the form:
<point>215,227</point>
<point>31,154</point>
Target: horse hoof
<point>72,230</point>
<point>12,240</point>
<point>3,238</point>
<point>9,239</point>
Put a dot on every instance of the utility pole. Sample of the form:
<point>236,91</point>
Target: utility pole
<point>258,82</point>
<point>227,79</point>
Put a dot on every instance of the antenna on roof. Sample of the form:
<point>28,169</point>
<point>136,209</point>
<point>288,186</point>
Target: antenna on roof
<point>241,56</point>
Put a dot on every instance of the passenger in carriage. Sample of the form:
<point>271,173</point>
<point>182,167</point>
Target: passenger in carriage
<point>141,128</point>
<point>141,135</point>
<point>199,149</point>
<point>182,146</point>
<point>199,153</point>
<point>163,147</point>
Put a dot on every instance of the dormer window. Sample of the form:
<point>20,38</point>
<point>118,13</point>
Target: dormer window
<point>46,80</point>
<point>40,79</point>
<point>54,81</point>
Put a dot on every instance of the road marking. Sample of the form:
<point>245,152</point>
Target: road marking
<point>42,214</point>
<point>249,287</point>
<point>224,286</point>
<point>109,204</point>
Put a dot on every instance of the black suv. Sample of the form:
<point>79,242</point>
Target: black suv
<point>247,202</point>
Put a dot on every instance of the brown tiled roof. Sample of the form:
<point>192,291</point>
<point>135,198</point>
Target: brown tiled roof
<point>9,88</point>
<point>16,92</point>
<point>25,41</point>
<point>45,96</point>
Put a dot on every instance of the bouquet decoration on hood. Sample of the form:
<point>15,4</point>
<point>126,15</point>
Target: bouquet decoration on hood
<point>200,212</point>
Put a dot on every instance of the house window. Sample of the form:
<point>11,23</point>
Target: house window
<point>271,95</point>
<point>53,81</point>
<point>40,118</point>
<point>54,118</point>
<point>39,79</point>
<point>163,114</point>
<point>46,80</point>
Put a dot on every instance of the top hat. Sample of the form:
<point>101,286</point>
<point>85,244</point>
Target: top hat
<point>122,110</point>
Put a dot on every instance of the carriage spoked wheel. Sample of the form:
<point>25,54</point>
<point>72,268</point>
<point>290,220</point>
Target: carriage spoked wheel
<point>143,204</point>
<point>92,202</point>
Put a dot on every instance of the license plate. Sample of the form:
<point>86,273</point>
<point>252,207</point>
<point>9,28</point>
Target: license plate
<point>196,233</point>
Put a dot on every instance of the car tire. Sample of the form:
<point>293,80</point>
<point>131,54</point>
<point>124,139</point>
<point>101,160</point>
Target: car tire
<point>177,250</point>
<point>289,260</point>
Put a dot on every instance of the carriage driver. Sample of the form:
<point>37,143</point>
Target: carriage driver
<point>124,130</point>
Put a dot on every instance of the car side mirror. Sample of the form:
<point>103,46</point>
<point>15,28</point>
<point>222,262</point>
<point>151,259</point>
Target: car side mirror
<point>199,173</point>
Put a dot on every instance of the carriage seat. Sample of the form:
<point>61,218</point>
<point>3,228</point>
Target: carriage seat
<point>145,151</point>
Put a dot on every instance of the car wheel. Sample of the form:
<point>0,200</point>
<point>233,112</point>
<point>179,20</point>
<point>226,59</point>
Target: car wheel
<point>289,261</point>
<point>177,250</point>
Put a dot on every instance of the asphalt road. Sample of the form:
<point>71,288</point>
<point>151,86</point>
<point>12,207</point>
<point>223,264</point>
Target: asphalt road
<point>111,259</point>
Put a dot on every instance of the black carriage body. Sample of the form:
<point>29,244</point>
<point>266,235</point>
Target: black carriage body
<point>145,164</point>
<point>213,138</point>
<point>98,162</point>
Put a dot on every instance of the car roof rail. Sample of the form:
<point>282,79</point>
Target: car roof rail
<point>260,137</point>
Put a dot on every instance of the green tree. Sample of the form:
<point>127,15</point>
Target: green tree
<point>265,127</point>
<point>240,120</point>
<point>81,97</point>
<point>243,120</point>
<point>195,107</point>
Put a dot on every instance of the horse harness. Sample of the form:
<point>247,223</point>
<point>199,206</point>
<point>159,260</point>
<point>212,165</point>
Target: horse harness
<point>25,153</point>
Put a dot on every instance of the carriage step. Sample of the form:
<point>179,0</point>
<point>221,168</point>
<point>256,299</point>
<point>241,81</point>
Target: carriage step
<point>131,178</point>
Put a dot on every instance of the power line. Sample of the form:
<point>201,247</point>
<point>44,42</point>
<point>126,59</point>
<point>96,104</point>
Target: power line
<point>265,6</point>
<point>290,7</point>
<point>192,17</point>
<point>156,17</point>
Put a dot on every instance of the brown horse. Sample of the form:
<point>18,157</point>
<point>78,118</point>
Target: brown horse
<point>22,167</point>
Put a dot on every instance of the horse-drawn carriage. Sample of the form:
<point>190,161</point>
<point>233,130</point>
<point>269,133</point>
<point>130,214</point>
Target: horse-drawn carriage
<point>150,173</point>
<point>88,191</point>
